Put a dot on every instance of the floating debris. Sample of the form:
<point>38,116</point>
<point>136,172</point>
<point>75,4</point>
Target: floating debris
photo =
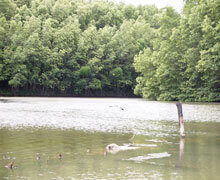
<point>132,139</point>
<point>114,148</point>
<point>10,165</point>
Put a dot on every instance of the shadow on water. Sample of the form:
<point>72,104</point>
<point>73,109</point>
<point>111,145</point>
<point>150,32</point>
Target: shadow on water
<point>11,100</point>
<point>5,101</point>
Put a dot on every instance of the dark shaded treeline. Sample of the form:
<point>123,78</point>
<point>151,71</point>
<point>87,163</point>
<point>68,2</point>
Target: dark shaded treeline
<point>77,48</point>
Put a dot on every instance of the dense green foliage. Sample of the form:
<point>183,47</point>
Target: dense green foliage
<point>184,63</point>
<point>98,48</point>
<point>69,47</point>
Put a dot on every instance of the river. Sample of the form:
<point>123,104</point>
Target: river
<point>33,131</point>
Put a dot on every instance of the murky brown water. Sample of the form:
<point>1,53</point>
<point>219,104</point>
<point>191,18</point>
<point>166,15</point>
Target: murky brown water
<point>80,128</point>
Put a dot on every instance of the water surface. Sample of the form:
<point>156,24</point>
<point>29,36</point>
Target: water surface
<point>81,128</point>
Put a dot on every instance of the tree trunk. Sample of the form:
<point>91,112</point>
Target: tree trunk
<point>180,115</point>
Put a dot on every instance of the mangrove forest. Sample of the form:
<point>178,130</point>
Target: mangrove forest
<point>106,49</point>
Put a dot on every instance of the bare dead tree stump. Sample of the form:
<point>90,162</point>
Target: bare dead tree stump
<point>180,116</point>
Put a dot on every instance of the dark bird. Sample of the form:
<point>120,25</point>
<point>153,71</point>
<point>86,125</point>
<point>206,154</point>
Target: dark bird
<point>122,108</point>
<point>10,165</point>
<point>60,156</point>
<point>38,157</point>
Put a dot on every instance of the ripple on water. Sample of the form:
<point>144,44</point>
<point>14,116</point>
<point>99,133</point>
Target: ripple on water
<point>143,145</point>
<point>158,141</point>
<point>140,159</point>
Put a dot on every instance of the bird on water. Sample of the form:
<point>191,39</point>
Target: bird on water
<point>60,156</point>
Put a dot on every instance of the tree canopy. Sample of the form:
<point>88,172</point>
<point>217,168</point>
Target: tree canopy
<point>98,48</point>
<point>184,63</point>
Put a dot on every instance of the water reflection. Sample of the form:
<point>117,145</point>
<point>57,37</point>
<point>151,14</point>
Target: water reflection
<point>24,146</point>
<point>181,151</point>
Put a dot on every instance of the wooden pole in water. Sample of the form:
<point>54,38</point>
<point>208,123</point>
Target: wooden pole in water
<point>180,115</point>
